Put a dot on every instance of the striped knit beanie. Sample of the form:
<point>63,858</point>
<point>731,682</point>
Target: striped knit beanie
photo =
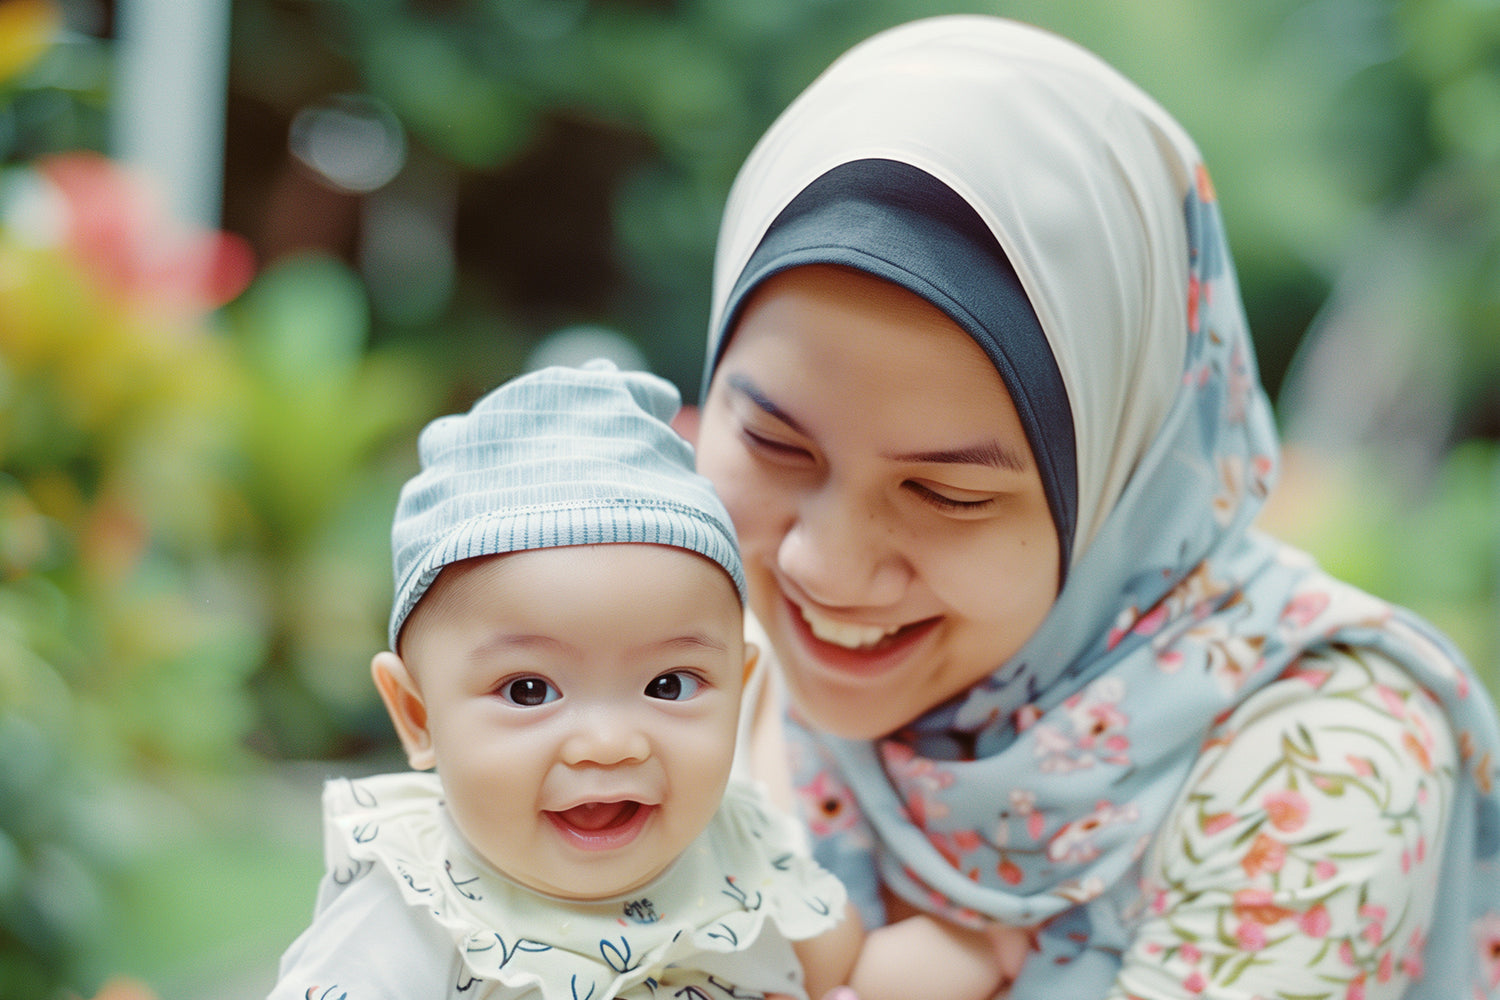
<point>560,456</point>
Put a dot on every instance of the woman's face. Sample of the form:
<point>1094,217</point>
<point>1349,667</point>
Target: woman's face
<point>897,541</point>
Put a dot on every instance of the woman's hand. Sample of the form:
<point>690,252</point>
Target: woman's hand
<point>1008,948</point>
<point>923,955</point>
<point>1011,946</point>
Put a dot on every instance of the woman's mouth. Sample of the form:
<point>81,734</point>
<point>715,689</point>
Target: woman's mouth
<point>846,634</point>
<point>601,826</point>
<point>831,635</point>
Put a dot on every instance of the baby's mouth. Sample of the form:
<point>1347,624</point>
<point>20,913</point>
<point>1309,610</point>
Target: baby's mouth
<point>602,826</point>
<point>593,817</point>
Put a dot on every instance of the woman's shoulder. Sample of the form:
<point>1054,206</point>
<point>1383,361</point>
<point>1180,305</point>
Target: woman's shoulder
<point>1345,750</point>
<point>1340,693</point>
<point>1316,814</point>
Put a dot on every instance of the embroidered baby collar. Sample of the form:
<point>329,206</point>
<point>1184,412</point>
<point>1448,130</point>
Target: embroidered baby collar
<point>746,869</point>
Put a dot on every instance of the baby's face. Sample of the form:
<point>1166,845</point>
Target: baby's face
<point>581,704</point>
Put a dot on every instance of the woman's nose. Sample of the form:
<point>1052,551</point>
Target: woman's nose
<point>604,738</point>
<point>842,553</point>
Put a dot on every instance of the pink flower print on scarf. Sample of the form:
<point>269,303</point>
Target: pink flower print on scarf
<point>1077,842</point>
<point>920,781</point>
<point>1195,598</point>
<point>828,806</point>
<point>1096,732</point>
<point>1487,944</point>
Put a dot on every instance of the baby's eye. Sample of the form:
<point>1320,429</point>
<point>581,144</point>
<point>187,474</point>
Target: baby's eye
<point>675,686</point>
<point>529,692</point>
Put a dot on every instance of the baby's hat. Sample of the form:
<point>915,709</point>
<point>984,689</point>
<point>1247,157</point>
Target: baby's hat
<point>560,456</point>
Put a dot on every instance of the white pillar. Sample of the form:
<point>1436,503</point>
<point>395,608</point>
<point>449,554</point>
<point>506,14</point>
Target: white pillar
<point>168,117</point>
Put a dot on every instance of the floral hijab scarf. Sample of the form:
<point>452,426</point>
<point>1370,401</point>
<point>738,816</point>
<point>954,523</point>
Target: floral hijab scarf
<point>1174,610</point>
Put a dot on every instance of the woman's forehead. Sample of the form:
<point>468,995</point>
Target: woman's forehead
<point>913,376</point>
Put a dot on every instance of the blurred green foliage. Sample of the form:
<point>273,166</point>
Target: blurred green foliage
<point>578,152</point>
<point>194,499</point>
<point>180,506</point>
<point>109,665</point>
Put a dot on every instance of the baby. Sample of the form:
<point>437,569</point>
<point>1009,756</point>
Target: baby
<point>567,652</point>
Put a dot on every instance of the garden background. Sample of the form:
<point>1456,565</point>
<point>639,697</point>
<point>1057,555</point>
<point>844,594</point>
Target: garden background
<point>229,300</point>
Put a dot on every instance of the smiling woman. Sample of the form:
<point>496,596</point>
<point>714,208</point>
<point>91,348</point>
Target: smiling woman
<point>981,401</point>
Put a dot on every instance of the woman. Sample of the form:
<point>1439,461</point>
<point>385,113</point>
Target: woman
<point>982,405</point>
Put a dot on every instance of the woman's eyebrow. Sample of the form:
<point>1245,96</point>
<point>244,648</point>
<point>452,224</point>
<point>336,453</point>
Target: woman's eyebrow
<point>743,385</point>
<point>990,453</point>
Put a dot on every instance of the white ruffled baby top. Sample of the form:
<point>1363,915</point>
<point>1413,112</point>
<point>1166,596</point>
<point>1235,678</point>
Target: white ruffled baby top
<point>718,920</point>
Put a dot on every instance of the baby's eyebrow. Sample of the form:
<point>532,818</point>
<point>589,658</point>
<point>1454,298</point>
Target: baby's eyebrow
<point>692,640</point>
<point>504,641</point>
<point>990,453</point>
<point>743,385</point>
<point>509,641</point>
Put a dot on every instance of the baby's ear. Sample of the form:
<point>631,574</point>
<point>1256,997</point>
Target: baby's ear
<point>408,712</point>
<point>752,657</point>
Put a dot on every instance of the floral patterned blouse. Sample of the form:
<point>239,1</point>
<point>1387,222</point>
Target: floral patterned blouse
<point>1300,861</point>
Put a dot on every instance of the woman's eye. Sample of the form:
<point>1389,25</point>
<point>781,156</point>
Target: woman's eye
<point>944,502</point>
<point>675,686</point>
<point>770,445</point>
<point>529,692</point>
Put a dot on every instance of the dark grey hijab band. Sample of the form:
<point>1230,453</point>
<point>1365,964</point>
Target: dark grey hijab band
<point>898,222</point>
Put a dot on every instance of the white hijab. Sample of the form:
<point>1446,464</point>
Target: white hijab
<point>1097,189</point>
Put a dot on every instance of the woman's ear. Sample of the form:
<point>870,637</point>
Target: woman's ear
<point>408,712</point>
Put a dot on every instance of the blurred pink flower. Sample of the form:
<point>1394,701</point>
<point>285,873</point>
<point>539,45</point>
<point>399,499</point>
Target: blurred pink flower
<point>1302,609</point>
<point>112,221</point>
<point>1487,942</point>
<point>1374,931</point>
<point>828,805</point>
<point>1287,809</point>
<point>1250,936</point>
<point>1266,854</point>
<point>1315,922</point>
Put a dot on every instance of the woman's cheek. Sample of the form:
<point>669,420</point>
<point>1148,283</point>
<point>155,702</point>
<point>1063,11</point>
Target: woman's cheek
<point>714,449</point>
<point>752,504</point>
<point>991,579</point>
<point>747,495</point>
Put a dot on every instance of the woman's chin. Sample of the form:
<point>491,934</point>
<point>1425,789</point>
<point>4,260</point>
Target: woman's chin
<point>856,693</point>
<point>842,712</point>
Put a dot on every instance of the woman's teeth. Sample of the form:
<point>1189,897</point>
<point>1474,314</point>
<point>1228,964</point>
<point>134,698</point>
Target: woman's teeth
<point>845,634</point>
